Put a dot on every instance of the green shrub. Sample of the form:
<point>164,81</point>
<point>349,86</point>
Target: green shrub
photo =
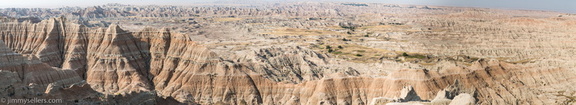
<point>405,54</point>
<point>417,56</point>
<point>344,39</point>
<point>413,56</point>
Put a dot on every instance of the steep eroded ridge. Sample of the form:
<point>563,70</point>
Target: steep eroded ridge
<point>171,65</point>
<point>117,64</point>
<point>28,77</point>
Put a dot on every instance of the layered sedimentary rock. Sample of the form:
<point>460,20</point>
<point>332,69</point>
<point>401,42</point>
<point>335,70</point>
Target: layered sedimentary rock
<point>118,61</point>
<point>111,60</point>
<point>26,76</point>
<point>290,64</point>
<point>237,65</point>
<point>29,70</point>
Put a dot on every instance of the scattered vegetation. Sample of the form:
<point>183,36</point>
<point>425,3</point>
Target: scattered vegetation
<point>523,61</point>
<point>349,27</point>
<point>355,53</point>
<point>418,56</point>
<point>330,50</point>
<point>349,33</point>
<point>344,39</point>
<point>405,54</point>
<point>472,59</point>
<point>299,31</point>
<point>569,100</point>
<point>386,28</point>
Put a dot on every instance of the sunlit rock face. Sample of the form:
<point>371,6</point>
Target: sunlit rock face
<point>315,53</point>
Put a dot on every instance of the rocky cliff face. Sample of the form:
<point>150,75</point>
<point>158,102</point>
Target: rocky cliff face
<point>63,74</point>
<point>115,61</point>
<point>19,69</point>
<point>111,65</point>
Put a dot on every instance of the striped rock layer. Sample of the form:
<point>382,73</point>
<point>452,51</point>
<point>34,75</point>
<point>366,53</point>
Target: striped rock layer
<point>116,61</point>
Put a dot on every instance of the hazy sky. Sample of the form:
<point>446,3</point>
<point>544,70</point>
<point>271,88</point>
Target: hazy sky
<point>552,5</point>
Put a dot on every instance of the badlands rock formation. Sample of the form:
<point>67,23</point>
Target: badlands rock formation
<point>295,53</point>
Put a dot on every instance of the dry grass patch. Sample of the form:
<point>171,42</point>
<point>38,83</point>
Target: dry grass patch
<point>524,61</point>
<point>298,31</point>
<point>385,28</point>
<point>353,52</point>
